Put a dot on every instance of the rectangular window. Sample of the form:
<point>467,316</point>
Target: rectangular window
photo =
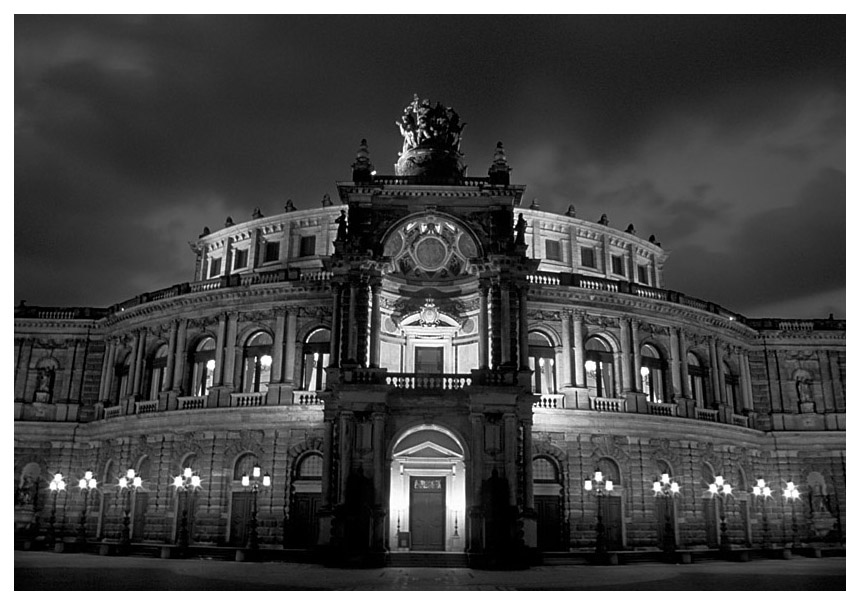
<point>588,259</point>
<point>271,252</point>
<point>617,264</point>
<point>308,245</point>
<point>214,267</point>
<point>240,259</point>
<point>643,274</point>
<point>553,249</point>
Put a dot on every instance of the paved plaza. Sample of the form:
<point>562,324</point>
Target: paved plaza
<point>65,571</point>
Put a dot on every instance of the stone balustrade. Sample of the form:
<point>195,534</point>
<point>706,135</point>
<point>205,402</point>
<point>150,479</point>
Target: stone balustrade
<point>548,401</point>
<point>444,382</point>
<point>739,420</point>
<point>607,404</point>
<point>306,398</point>
<point>247,400</point>
<point>113,411</point>
<point>662,409</point>
<point>145,407</point>
<point>192,403</point>
<point>708,415</point>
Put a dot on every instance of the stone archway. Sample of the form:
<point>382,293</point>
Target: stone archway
<point>428,491</point>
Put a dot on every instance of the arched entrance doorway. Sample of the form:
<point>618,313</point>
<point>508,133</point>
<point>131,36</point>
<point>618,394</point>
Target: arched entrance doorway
<point>428,491</point>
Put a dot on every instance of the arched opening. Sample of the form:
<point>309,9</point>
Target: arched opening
<point>121,374</point>
<point>710,508</point>
<point>549,503</point>
<point>140,500</point>
<point>611,504</point>
<point>542,363</point>
<point>666,510</point>
<point>156,373</point>
<point>305,499</point>
<point>104,504</point>
<point>697,375</point>
<point>653,372</point>
<point>257,363</point>
<point>428,491</point>
<point>315,358</point>
<point>202,364</point>
<point>242,500</point>
<point>186,501</point>
<point>731,381</point>
<point>599,368</point>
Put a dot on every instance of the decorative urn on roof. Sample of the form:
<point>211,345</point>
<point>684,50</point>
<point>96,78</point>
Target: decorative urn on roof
<point>431,141</point>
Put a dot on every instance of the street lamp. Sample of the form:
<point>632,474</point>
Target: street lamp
<point>665,487</point>
<point>86,485</point>
<point>130,482</point>
<point>57,485</point>
<point>187,481</point>
<point>255,483</point>
<point>722,490</point>
<point>600,487</point>
<point>791,493</point>
<point>761,490</point>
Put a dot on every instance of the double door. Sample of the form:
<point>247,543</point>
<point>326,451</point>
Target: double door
<point>427,513</point>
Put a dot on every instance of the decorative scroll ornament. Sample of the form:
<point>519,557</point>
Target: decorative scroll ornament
<point>429,314</point>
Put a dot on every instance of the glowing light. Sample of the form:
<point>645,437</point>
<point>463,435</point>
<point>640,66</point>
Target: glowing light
<point>82,484</point>
<point>138,482</point>
<point>727,489</point>
<point>712,488</point>
<point>664,478</point>
<point>760,483</point>
<point>609,485</point>
<point>123,483</point>
<point>267,481</point>
<point>256,471</point>
<point>177,482</point>
<point>657,488</point>
<point>588,485</point>
<point>130,474</point>
<point>590,365</point>
<point>644,371</point>
<point>246,481</point>
<point>598,476</point>
<point>674,488</point>
<point>266,361</point>
<point>188,472</point>
<point>767,492</point>
<point>58,477</point>
<point>210,365</point>
<point>88,475</point>
<point>195,481</point>
<point>719,480</point>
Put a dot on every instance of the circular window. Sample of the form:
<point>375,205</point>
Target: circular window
<point>431,253</point>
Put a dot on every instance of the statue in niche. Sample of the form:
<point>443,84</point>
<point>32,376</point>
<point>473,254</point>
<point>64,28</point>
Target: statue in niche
<point>342,227</point>
<point>803,386</point>
<point>520,228</point>
<point>44,380</point>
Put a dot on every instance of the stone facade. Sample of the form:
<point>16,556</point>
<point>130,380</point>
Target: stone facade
<point>442,371</point>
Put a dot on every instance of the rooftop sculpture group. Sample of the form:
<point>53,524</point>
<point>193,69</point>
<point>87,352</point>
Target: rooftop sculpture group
<point>426,125</point>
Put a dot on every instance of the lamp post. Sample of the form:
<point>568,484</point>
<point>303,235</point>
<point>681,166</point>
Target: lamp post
<point>761,490</point>
<point>126,484</point>
<point>86,485</point>
<point>57,485</point>
<point>255,482</point>
<point>791,493</point>
<point>600,487</point>
<point>665,487</point>
<point>722,490</point>
<point>188,481</point>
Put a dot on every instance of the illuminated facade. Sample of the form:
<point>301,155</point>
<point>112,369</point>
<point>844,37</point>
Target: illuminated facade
<point>429,366</point>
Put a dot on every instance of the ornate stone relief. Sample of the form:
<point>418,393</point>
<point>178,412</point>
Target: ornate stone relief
<point>610,446</point>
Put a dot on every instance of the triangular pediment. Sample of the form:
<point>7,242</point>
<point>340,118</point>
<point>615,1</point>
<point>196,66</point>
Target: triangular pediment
<point>427,449</point>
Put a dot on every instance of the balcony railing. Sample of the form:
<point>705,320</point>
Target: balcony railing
<point>662,409</point>
<point>444,382</point>
<point>709,415</point>
<point>549,402</point>
<point>192,403</point>
<point>306,398</point>
<point>607,404</point>
<point>247,400</point>
<point>739,420</point>
<point>114,411</point>
<point>145,407</point>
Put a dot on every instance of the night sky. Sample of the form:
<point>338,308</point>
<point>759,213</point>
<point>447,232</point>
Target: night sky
<point>723,136</point>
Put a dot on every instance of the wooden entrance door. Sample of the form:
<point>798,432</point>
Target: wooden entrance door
<point>427,513</point>
<point>303,520</point>
<point>240,518</point>
<point>612,522</point>
<point>548,522</point>
<point>141,503</point>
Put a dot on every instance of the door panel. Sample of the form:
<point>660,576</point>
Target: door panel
<point>303,520</point>
<point>427,513</point>
<point>612,522</point>
<point>240,517</point>
<point>141,503</point>
<point>548,522</point>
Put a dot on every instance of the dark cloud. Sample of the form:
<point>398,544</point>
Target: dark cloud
<point>125,121</point>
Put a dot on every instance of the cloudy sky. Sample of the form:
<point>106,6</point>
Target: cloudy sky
<point>723,136</point>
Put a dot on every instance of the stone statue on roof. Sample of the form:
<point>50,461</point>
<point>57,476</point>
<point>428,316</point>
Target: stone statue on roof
<point>431,140</point>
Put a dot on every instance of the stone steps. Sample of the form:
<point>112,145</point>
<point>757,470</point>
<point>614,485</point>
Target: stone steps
<point>427,559</point>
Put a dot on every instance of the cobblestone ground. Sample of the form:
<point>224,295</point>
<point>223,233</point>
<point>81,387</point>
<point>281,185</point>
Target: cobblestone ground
<point>63,571</point>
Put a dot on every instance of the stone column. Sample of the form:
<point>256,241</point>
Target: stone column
<point>334,346</point>
<point>826,382</point>
<point>346,425</point>
<point>637,354</point>
<point>483,326</point>
<point>836,381</point>
<point>218,379</point>
<point>181,355</point>
<point>278,347</point>
<point>477,470</point>
<point>375,323</point>
<point>511,457</point>
<point>675,363</point>
<point>171,355</point>
<point>378,458</point>
<point>351,329</point>
<point>744,378</point>
<point>104,382</point>
<point>682,358</point>
<point>528,474</point>
<point>523,291</point>
<point>626,382</point>
<point>579,350</point>
<point>716,371</point>
<point>565,349</point>
<point>290,367</point>
<point>132,379</point>
<point>504,289</point>
<point>230,350</point>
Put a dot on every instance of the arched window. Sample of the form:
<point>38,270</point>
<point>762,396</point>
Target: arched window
<point>203,367</point>
<point>121,375</point>
<point>157,367</point>
<point>310,467</point>
<point>257,363</point>
<point>732,382</point>
<point>315,358</point>
<point>599,368</point>
<point>544,470</point>
<point>244,466</point>
<point>653,373</point>
<point>542,363</point>
<point>696,375</point>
